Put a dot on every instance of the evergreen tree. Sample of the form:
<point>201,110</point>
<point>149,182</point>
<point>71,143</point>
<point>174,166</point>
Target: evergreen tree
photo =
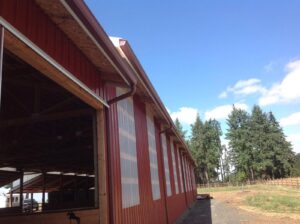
<point>296,168</point>
<point>280,149</point>
<point>180,129</point>
<point>224,163</point>
<point>259,148</point>
<point>259,136</point>
<point>241,153</point>
<point>212,146</point>
<point>205,145</point>
<point>195,143</point>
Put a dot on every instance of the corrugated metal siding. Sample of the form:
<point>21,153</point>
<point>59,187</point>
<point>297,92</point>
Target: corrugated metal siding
<point>148,211</point>
<point>32,22</point>
<point>159,206</point>
<point>176,202</point>
<point>114,161</point>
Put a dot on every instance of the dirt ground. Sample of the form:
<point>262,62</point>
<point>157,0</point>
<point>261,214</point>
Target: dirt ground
<point>228,208</point>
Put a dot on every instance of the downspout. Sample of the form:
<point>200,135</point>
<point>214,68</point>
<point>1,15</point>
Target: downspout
<point>130,93</point>
<point>163,169</point>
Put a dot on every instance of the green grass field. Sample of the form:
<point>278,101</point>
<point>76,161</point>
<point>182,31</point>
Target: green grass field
<point>274,203</point>
<point>266,198</point>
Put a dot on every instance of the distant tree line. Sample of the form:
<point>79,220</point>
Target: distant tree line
<point>257,148</point>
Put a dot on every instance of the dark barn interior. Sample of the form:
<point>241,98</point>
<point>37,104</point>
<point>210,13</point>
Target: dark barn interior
<point>46,131</point>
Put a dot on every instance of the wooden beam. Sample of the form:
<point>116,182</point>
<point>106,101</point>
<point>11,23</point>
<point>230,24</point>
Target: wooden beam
<point>1,57</point>
<point>36,60</point>
<point>36,118</point>
<point>101,167</point>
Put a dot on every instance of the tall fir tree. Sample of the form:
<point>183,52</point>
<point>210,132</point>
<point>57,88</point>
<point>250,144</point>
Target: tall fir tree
<point>195,144</point>
<point>241,152</point>
<point>180,129</point>
<point>205,145</point>
<point>259,148</point>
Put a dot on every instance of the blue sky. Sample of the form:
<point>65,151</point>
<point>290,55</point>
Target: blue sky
<point>203,56</point>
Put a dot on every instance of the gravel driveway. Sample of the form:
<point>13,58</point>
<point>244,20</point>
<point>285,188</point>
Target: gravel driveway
<point>215,212</point>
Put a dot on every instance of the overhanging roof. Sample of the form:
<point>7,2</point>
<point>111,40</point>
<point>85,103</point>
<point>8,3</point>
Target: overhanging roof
<point>76,20</point>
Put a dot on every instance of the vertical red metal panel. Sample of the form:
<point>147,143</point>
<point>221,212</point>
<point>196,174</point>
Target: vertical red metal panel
<point>114,158</point>
<point>160,206</point>
<point>143,161</point>
<point>169,142</point>
<point>32,22</point>
<point>176,204</point>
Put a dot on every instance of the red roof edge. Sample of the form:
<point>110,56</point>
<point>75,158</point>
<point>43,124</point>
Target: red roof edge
<point>93,26</point>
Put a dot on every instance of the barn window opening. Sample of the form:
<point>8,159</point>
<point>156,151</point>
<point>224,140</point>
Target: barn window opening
<point>180,170</point>
<point>166,164</point>
<point>174,168</point>
<point>47,144</point>
<point>128,154</point>
<point>153,156</point>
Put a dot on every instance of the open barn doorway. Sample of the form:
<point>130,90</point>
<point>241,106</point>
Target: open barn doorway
<point>47,143</point>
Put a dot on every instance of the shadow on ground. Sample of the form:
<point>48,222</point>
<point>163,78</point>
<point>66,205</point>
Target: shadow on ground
<point>199,213</point>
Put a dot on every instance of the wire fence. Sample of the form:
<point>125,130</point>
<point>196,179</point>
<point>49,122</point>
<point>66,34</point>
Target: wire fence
<point>290,182</point>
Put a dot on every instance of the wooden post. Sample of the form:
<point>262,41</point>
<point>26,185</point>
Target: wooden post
<point>31,197</point>
<point>21,188</point>
<point>61,189</point>
<point>1,57</point>
<point>11,199</point>
<point>44,190</point>
<point>101,168</point>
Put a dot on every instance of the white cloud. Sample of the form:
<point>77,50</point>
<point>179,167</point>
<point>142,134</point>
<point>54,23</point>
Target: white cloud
<point>186,115</point>
<point>244,87</point>
<point>223,95</point>
<point>287,90</point>
<point>222,112</point>
<point>293,119</point>
<point>269,67</point>
<point>295,140</point>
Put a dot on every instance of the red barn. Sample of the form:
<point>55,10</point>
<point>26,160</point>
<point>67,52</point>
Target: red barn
<point>83,133</point>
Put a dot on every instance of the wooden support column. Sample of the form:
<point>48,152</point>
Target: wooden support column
<point>11,199</point>
<point>101,168</point>
<point>61,188</point>
<point>31,199</point>
<point>1,57</point>
<point>44,190</point>
<point>21,188</point>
